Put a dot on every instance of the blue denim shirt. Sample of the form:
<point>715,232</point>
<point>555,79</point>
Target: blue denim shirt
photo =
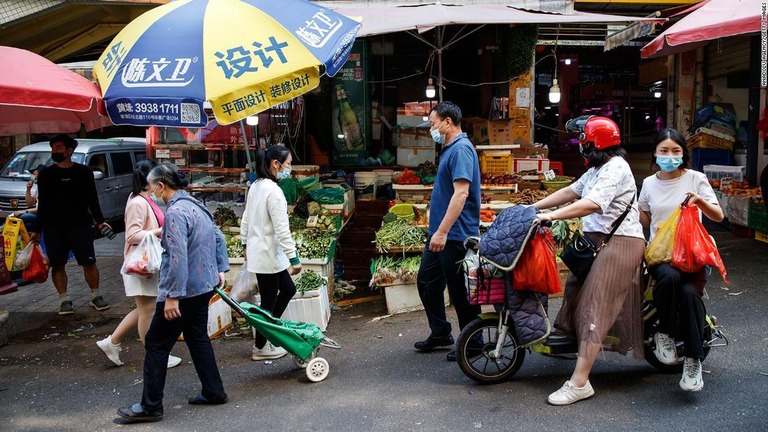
<point>195,251</point>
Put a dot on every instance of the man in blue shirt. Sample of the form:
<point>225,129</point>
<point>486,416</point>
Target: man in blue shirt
<point>454,216</point>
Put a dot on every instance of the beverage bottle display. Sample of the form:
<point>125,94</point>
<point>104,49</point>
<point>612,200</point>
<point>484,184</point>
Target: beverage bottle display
<point>348,121</point>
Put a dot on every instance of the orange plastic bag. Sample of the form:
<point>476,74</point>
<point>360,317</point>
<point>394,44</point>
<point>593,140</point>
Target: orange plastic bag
<point>694,248</point>
<point>536,270</point>
<point>37,270</point>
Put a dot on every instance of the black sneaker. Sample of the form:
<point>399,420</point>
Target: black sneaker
<point>433,342</point>
<point>66,308</point>
<point>99,303</point>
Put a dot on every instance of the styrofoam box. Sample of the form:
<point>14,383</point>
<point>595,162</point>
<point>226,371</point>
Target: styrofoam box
<point>717,172</point>
<point>410,120</point>
<point>315,310</point>
<point>324,270</point>
<point>405,298</point>
<point>345,209</point>
<point>219,316</point>
<point>412,157</point>
<point>529,164</point>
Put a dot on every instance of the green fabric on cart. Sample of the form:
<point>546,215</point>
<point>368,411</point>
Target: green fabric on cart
<point>290,189</point>
<point>298,338</point>
<point>328,195</point>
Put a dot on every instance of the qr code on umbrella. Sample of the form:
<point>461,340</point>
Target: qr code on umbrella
<point>190,113</point>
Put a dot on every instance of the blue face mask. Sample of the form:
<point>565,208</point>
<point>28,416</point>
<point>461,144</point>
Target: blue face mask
<point>284,174</point>
<point>669,163</point>
<point>437,136</point>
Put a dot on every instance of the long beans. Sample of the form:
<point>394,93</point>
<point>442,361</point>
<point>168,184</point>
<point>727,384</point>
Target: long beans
<point>401,234</point>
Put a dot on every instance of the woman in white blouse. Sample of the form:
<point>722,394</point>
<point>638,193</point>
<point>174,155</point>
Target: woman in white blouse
<point>677,295</point>
<point>608,300</point>
<point>270,251</point>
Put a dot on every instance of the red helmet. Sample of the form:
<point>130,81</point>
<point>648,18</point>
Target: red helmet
<point>601,131</point>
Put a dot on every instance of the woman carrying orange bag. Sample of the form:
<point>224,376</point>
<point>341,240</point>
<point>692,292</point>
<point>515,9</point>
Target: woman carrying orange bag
<point>677,294</point>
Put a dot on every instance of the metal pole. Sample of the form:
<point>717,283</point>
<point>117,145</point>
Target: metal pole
<point>247,147</point>
<point>440,31</point>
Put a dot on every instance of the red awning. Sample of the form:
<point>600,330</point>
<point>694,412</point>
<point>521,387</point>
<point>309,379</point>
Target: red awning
<point>714,19</point>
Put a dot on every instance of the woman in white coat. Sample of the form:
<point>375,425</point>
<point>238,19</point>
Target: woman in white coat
<point>270,251</point>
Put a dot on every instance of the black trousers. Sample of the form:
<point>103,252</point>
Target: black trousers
<point>677,297</point>
<point>276,292</point>
<point>161,338</point>
<point>437,270</point>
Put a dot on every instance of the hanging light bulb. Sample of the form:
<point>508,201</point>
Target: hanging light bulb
<point>252,120</point>
<point>430,89</point>
<point>657,94</point>
<point>567,62</point>
<point>554,92</point>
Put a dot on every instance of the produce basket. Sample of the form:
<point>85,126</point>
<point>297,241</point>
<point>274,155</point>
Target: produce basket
<point>527,184</point>
<point>557,183</point>
<point>412,194</point>
<point>757,218</point>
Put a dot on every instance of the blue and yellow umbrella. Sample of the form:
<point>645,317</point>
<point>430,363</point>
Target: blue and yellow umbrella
<point>243,56</point>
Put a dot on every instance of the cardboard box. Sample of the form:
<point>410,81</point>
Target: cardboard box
<point>219,317</point>
<point>500,131</point>
<point>527,151</point>
<point>530,164</point>
<point>478,127</point>
<point>412,157</point>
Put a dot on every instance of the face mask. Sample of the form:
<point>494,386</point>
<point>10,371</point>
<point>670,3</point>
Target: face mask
<point>284,174</point>
<point>668,163</point>
<point>58,157</point>
<point>437,136</point>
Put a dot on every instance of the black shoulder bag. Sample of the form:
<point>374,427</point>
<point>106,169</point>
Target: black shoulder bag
<point>579,253</point>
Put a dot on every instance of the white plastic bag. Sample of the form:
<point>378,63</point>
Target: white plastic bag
<point>144,261</point>
<point>22,258</point>
<point>245,286</point>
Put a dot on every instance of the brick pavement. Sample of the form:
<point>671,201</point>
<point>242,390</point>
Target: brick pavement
<point>43,298</point>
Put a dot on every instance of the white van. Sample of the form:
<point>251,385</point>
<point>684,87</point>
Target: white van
<point>112,161</point>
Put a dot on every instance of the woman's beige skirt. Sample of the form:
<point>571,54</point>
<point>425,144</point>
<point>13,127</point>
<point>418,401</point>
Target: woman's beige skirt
<point>609,301</point>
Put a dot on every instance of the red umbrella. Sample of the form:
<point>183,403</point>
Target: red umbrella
<point>39,96</point>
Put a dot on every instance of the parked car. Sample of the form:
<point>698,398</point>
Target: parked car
<point>112,161</point>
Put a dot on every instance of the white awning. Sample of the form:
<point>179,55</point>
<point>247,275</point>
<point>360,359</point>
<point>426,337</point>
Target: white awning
<point>424,17</point>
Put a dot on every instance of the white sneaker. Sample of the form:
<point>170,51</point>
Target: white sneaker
<point>111,350</point>
<point>665,350</point>
<point>173,361</point>
<point>691,380</point>
<point>569,394</point>
<point>269,352</point>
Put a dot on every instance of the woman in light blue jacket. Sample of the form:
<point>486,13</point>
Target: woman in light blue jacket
<point>193,263</point>
<point>269,248</point>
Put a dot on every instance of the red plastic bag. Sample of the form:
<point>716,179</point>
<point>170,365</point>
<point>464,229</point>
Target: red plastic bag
<point>37,270</point>
<point>694,248</point>
<point>537,269</point>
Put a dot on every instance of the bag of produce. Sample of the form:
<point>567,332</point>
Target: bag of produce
<point>144,261</point>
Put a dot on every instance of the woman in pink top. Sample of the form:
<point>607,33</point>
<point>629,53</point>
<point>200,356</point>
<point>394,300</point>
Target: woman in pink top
<point>142,218</point>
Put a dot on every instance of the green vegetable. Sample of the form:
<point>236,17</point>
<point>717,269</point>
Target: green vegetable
<point>399,234</point>
<point>225,217</point>
<point>235,247</point>
<point>296,222</point>
<point>314,243</point>
<point>309,281</point>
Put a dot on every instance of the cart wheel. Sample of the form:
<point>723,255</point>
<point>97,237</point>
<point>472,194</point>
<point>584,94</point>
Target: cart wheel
<point>302,364</point>
<point>317,369</point>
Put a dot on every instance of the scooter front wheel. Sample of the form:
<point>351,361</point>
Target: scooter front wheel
<point>475,352</point>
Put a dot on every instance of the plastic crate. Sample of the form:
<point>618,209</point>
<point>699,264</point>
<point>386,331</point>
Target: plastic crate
<point>702,140</point>
<point>761,236</point>
<point>718,172</point>
<point>496,162</point>
<point>709,156</point>
<point>757,218</point>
